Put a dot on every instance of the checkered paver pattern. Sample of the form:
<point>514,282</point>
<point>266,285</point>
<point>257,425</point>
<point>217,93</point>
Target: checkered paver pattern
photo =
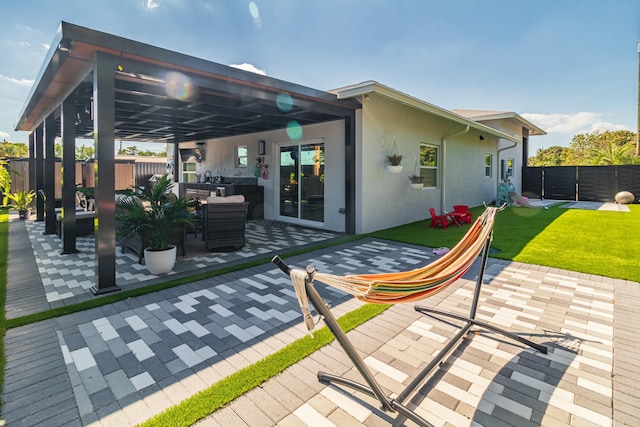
<point>487,381</point>
<point>67,277</point>
<point>134,358</point>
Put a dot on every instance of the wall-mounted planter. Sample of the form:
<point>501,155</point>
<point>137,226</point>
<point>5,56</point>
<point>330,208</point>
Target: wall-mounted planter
<point>394,168</point>
<point>417,186</point>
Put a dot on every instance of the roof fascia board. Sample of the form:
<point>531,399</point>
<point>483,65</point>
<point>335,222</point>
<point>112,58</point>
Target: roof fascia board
<point>402,98</point>
<point>534,130</point>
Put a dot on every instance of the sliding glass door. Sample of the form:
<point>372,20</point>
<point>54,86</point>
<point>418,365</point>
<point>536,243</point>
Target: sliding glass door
<point>302,181</point>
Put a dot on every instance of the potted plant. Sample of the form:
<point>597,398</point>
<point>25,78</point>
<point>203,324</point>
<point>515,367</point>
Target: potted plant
<point>415,181</point>
<point>22,202</point>
<point>394,159</point>
<point>159,219</point>
<point>394,165</point>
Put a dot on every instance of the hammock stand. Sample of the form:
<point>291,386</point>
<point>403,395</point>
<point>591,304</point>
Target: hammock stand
<point>374,389</point>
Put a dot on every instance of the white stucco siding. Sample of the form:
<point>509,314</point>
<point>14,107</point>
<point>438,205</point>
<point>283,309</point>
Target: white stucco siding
<point>466,181</point>
<point>385,199</point>
<point>512,127</point>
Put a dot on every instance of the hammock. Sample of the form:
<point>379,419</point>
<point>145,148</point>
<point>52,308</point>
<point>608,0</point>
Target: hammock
<point>406,286</point>
<point>414,285</point>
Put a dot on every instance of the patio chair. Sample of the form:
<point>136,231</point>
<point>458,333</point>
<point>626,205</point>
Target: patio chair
<point>464,214</point>
<point>436,220</point>
<point>224,222</point>
<point>400,287</point>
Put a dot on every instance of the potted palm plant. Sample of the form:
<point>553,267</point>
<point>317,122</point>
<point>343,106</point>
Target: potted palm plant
<point>157,221</point>
<point>21,201</point>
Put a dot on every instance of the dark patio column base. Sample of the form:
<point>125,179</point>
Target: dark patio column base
<point>100,291</point>
<point>70,251</point>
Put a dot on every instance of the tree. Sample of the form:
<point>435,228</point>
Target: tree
<point>13,149</point>
<point>602,148</point>
<point>552,156</point>
<point>612,155</point>
<point>594,148</point>
<point>85,152</point>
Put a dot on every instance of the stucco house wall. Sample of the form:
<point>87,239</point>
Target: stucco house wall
<point>385,199</point>
<point>466,182</point>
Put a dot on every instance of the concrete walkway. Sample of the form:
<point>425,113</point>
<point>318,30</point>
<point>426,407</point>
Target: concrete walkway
<point>122,363</point>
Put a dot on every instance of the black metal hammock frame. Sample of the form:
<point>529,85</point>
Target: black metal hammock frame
<point>391,288</point>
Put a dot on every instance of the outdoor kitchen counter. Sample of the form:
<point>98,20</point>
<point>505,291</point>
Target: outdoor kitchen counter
<point>253,193</point>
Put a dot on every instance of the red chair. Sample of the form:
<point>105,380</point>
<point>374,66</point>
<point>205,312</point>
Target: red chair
<point>438,219</point>
<point>464,214</point>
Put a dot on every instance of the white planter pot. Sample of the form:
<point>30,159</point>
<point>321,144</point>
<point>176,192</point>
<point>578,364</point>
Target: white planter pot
<point>160,262</point>
<point>416,186</point>
<point>394,169</point>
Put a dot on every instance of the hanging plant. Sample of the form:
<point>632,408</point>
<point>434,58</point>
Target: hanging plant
<point>415,180</point>
<point>394,159</point>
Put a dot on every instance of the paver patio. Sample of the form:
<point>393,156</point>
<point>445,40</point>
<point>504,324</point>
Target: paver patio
<point>121,363</point>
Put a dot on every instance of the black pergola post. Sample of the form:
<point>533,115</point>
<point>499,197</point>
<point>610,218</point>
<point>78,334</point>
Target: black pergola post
<point>49,174</point>
<point>68,130</point>
<point>104,139</point>
<point>350,173</point>
<point>39,165</point>
<point>32,164</point>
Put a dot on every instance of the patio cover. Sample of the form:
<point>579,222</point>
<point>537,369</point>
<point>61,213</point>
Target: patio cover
<point>103,87</point>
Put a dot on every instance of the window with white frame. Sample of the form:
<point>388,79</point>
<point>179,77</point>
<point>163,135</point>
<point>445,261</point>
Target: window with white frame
<point>429,164</point>
<point>488,165</point>
<point>241,156</point>
<point>510,163</point>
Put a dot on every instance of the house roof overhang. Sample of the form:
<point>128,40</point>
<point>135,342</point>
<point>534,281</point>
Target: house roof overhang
<point>364,88</point>
<point>166,96</point>
<point>484,115</point>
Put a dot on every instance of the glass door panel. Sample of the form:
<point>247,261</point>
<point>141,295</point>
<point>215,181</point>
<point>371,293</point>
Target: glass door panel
<point>289,181</point>
<point>312,173</point>
<point>302,182</point>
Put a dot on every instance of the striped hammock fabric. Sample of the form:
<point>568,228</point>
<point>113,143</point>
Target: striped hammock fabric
<point>414,285</point>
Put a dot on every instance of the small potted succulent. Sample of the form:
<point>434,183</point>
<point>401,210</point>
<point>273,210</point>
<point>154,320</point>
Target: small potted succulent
<point>21,201</point>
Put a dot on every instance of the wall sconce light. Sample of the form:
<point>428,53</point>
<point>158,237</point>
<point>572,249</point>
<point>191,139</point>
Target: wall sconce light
<point>481,138</point>
<point>262,148</point>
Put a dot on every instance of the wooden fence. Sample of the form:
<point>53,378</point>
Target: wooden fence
<point>128,174</point>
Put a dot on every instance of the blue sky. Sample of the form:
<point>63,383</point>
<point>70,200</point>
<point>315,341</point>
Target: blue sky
<point>567,66</point>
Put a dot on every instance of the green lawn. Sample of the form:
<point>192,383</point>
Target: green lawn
<point>598,242</point>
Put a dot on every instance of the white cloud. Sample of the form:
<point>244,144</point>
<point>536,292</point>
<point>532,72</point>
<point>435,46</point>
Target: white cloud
<point>150,4</point>
<point>19,82</point>
<point>4,135</point>
<point>249,67</point>
<point>572,124</point>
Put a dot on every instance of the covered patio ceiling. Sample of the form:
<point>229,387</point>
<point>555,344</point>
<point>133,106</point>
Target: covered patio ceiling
<point>165,96</point>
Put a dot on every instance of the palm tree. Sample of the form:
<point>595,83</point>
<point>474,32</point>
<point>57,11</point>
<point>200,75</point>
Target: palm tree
<point>612,154</point>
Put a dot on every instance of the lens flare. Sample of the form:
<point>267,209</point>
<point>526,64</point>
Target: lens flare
<point>178,86</point>
<point>284,102</point>
<point>294,130</point>
<point>255,14</point>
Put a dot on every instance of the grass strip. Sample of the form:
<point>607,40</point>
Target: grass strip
<point>122,295</point>
<point>4,252</point>
<point>226,390</point>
